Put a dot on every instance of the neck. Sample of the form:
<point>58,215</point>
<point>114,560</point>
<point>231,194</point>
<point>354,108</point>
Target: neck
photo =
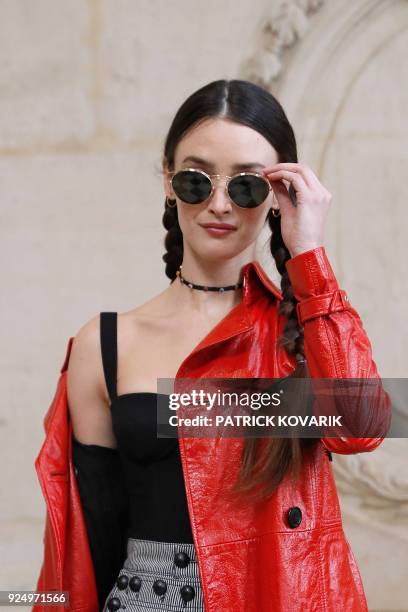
<point>215,272</point>
<point>210,274</point>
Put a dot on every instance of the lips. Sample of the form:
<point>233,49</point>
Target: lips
<point>219,230</point>
<point>220,226</point>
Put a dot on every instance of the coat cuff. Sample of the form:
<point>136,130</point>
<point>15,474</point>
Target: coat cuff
<point>315,285</point>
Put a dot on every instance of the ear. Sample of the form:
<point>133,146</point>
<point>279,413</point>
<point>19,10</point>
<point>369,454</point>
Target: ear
<point>166,180</point>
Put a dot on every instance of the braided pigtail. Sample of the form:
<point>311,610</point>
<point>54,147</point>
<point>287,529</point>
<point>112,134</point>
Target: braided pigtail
<point>292,336</point>
<point>173,241</point>
<point>265,463</point>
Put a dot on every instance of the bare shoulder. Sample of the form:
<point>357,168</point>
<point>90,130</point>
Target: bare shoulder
<point>86,338</point>
<point>87,400</point>
<point>85,358</point>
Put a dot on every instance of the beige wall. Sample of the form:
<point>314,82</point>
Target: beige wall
<point>88,90</point>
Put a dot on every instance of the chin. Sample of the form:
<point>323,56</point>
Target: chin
<point>218,252</point>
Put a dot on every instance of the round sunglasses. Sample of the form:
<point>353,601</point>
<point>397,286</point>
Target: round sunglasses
<point>245,189</point>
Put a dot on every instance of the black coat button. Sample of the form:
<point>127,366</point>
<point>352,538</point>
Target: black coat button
<point>159,587</point>
<point>122,582</point>
<point>187,592</point>
<point>135,583</point>
<point>114,604</point>
<point>294,517</point>
<point>181,559</point>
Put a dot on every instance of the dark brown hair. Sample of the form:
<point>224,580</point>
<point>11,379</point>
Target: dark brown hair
<point>263,465</point>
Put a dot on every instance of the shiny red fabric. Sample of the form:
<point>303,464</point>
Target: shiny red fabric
<point>250,559</point>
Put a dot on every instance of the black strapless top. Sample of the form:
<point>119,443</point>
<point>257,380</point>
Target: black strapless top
<point>149,467</point>
<point>152,469</point>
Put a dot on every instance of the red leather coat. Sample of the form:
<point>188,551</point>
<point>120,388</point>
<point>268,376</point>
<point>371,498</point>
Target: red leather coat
<point>250,558</point>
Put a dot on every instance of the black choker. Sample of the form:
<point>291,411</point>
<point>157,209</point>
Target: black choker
<point>206,288</point>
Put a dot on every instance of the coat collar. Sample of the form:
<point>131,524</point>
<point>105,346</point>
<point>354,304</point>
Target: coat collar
<point>254,276</point>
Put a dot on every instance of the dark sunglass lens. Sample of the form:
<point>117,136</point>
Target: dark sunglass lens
<point>248,191</point>
<point>191,187</point>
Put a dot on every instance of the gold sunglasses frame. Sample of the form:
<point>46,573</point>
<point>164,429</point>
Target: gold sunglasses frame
<point>226,176</point>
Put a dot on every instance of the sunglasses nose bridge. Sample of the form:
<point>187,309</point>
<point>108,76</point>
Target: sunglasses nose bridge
<point>219,196</point>
<point>220,181</point>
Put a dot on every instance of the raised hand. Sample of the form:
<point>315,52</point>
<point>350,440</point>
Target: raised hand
<point>302,226</point>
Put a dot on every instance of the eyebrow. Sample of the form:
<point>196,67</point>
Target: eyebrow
<point>210,165</point>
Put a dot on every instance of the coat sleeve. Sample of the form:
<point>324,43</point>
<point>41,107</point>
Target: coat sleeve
<point>104,502</point>
<point>336,346</point>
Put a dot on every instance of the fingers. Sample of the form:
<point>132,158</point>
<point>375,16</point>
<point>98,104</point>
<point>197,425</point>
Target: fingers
<point>307,174</point>
<point>283,195</point>
<point>295,178</point>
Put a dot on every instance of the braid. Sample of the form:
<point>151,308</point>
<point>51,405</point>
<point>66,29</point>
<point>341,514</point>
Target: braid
<point>292,336</point>
<point>173,241</point>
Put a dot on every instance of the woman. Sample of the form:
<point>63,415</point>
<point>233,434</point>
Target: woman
<point>205,523</point>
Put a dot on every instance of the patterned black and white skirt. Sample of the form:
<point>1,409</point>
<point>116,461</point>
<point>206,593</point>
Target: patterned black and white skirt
<point>157,576</point>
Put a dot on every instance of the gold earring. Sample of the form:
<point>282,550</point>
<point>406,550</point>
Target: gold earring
<point>275,209</point>
<point>171,205</point>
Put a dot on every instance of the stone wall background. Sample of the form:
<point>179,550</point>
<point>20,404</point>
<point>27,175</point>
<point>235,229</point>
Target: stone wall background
<point>88,90</point>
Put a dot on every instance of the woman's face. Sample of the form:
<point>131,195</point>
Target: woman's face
<point>222,145</point>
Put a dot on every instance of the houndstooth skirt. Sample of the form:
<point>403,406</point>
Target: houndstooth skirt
<point>160,576</point>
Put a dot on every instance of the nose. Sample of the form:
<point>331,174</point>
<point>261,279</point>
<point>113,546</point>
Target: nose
<point>219,201</point>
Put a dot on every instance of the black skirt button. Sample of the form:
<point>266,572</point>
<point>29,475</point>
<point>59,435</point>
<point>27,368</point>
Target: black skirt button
<point>187,592</point>
<point>122,582</point>
<point>294,517</point>
<point>159,587</point>
<point>181,559</point>
<point>135,583</point>
<point>114,604</point>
